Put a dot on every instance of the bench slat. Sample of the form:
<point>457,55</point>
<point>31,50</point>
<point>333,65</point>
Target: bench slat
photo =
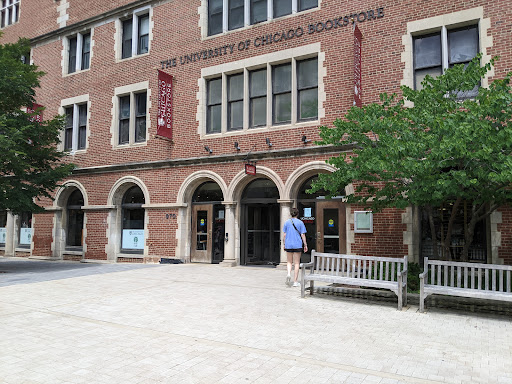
<point>364,270</point>
<point>479,278</point>
<point>381,265</point>
<point>446,276</point>
<point>493,279</point>
<point>473,278</point>
<point>459,276</point>
<point>375,271</point>
<point>466,277</point>
<point>393,266</point>
<point>509,283</point>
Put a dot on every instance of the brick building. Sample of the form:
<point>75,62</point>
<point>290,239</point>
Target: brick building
<point>252,80</point>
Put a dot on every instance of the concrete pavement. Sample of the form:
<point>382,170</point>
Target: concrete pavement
<point>208,324</point>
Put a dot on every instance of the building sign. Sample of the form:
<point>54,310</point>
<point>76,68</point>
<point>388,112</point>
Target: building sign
<point>39,117</point>
<point>164,117</point>
<point>25,236</point>
<point>276,37</point>
<point>250,169</point>
<point>133,239</point>
<point>358,37</point>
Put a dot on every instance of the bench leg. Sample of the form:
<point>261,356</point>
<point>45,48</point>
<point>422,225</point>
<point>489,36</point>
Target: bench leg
<point>311,287</point>
<point>400,298</point>
<point>422,295</point>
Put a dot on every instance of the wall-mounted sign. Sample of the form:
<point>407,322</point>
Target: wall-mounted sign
<point>363,222</point>
<point>133,239</point>
<point>276,37</point>
<point>250,169</point>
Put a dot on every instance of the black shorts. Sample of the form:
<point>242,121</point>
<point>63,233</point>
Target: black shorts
<point>294,250</point>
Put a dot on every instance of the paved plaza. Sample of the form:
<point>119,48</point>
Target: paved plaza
<point>81,323</point>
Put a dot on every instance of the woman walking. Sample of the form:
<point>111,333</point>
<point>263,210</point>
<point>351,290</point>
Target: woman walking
<point>294,241</point>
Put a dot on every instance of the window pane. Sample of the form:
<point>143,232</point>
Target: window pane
<point>214,17</point>
<point>282,7</point>
<point>236,14</point>
<point>214,91</point>
<point>258,11</point>
<point>2,24</point>
<point>75,227</point>
<point>258,80</point>
<point>236,87</point>
<point>308,73</point>
<point>420,74</point>
<point>214,119</point>
<point>68,132</point>
<point>72,55</point>
<point>140,129</point>
<point>236,115</point>
<point>82,135</point>
<point>143,43</point>
<point>427,51</point>
<point>282,108</point>
<point>140,101</point>
<point>127,38</point>
<point>82,115</point>
<point>308,104</point>
<point>86,49</point>
<point>282,78</point>
<point>462,45</point>
<point>258,112</point>
<point>124,133</point>
<point>124,107</point>
<point>307,4</point>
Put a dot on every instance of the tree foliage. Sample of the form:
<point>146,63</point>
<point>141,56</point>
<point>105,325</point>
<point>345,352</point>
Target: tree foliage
<point>30,164</point>
<point>437,149</point>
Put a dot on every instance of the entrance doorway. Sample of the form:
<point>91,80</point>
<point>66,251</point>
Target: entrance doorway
<point>208,228</point>
<point>260,224</point>
<point>324,220</point>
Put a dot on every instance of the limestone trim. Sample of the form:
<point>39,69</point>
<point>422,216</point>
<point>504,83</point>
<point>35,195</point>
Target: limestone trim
<point>301,174</point>
<point>121,186</point>
<point>75,102</point>
<point>118,37</point>
<point>241,180</point>
<point>63,17</point>
<point>65,190</point>
<point>193,181</point>
<point>449,20</point>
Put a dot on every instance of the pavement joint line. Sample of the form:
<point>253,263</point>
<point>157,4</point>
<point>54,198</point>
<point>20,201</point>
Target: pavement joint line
<point>284,356</point>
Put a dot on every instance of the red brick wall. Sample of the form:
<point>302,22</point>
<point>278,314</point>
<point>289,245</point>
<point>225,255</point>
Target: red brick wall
<point>43,227</point>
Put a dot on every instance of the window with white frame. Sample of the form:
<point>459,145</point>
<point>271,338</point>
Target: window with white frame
<point>135,34</point>
<point>9,13</point>
<point>79,52</point>
<point>277,94</point>
<point>75,131</point>
<point>435,52</point>
<point>227,15</point>
<point>132,118</point>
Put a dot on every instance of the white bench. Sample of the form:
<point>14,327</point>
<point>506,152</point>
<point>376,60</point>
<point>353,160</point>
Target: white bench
<point>363,271</point>
<point>483,281</point>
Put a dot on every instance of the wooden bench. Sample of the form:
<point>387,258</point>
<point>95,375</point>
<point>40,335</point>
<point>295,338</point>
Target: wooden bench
<point>363,271</point>
<point>483,281</point>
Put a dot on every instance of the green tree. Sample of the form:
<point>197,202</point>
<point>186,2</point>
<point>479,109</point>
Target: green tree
<point>30,164</point>
<point>438,149</point>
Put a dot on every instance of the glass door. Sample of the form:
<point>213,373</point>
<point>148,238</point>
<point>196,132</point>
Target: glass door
<point>201,247</point>
<point>262,234</point>
<point>331,227</point>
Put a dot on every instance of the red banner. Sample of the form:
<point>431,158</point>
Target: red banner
<point>39,116</point>
<point>250,169</point>
<point>358,37</point>
<point>164,118</point>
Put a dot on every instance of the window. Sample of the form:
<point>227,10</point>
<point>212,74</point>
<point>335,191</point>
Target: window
<point>75,220</point>
<point>461,46</point>
<point>236,102</point>
<point>214,106</point>
<point>258,96</point>
<point>257,11</point>
<point>9,13</point>
<point>79,52</point>
<point>132,237</point>
<point>75,130</point>
<point>276,94</point>
<point>25,230</point>
<point>3,228</point>
<point>132,118</point>
<point>135,35</point>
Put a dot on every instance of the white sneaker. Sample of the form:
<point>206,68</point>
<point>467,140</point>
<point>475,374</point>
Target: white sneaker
<point>296,284</point>
<point>288,281</point>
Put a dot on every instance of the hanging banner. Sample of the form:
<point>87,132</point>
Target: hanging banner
<point>164,118</point>
<point>39,116</point>
<point>358,37</point>
<point>250,169</point>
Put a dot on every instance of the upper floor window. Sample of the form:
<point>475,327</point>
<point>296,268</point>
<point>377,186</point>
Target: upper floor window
<point>132,118</point>
<point>79,52</point>
<point>284,93</point>
<point>75,132</point>
<point>9,13</point>
<point>435,52</point>
<point>227,15</point>
<point>135,35</point>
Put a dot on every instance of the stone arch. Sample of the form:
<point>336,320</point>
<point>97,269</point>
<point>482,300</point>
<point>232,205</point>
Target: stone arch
<point>241,180</point>
<point>66,189</point>
<point>194,180</point>
<point>119,188</point>
<point>301,174</point>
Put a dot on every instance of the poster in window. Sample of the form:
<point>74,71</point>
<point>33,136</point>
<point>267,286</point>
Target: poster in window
<point>133,239</point>
<point>3,235</point>
<point>25,236</point>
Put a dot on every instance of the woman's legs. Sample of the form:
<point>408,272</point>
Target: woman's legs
<point>296,261</point>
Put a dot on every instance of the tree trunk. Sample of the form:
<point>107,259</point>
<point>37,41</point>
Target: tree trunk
<point>476,216</point>
<point>448,239</point>
<point>435,251</point>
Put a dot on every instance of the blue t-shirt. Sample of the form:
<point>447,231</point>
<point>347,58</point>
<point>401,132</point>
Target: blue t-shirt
<point>293,239</point>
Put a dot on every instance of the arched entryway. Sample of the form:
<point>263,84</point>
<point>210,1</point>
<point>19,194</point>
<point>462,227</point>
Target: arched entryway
<point>132,213</point>
<point>208,224</point>
<point>260,224</point>
<point>75,222</point>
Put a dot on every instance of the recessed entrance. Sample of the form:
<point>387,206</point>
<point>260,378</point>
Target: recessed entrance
<point>260,224</point>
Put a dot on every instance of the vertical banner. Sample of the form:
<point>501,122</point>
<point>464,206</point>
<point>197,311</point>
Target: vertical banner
<point>164,118</point>
<point>358,37</point>
<point>39,116</point>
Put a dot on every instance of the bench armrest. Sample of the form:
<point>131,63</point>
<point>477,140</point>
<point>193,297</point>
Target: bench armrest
<point>404,272</point>
<point>423,274</point>
<point>305,265</point>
